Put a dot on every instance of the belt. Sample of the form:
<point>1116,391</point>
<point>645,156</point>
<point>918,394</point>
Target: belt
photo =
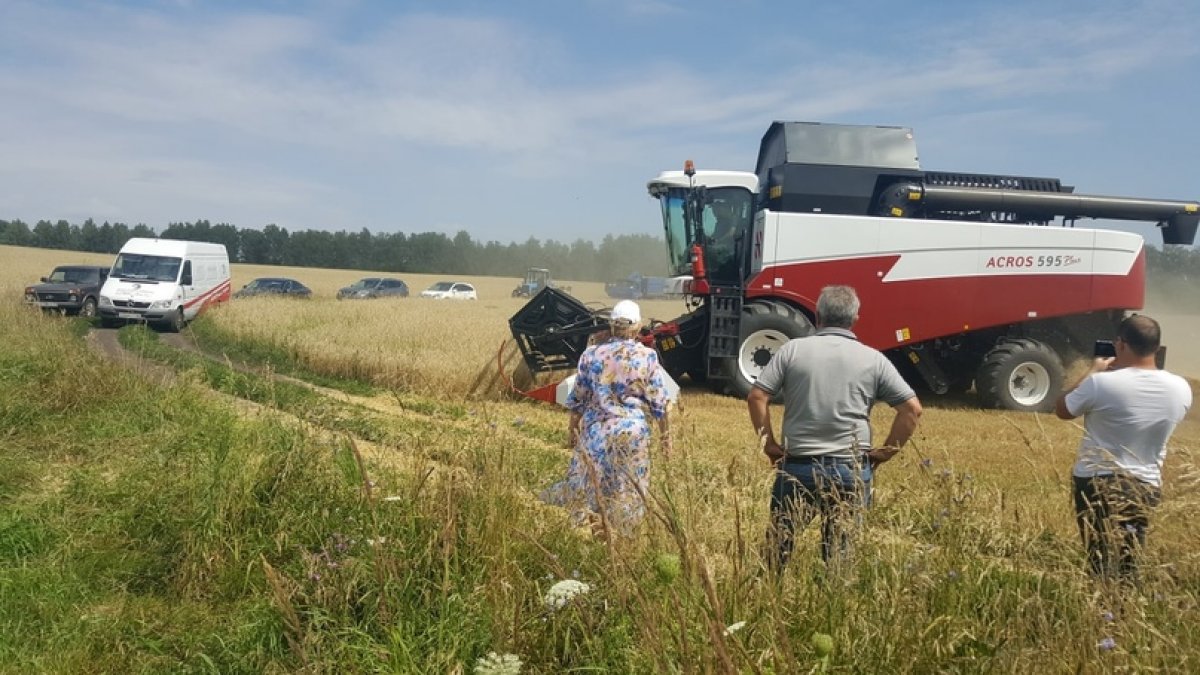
<point>815,459</point>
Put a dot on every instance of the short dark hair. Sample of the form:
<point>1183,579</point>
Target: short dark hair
<point>1141,334</point>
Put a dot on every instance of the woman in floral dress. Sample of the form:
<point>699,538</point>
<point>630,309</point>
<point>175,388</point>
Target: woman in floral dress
<point>618,388</point>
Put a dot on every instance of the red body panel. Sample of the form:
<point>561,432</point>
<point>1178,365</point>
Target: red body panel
<point>902,312</point>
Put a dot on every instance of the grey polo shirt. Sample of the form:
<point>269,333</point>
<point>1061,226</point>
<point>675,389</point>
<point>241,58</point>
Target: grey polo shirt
<point>828,382</point>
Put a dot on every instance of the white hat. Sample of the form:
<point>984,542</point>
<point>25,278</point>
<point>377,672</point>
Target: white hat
<point>627,310</point>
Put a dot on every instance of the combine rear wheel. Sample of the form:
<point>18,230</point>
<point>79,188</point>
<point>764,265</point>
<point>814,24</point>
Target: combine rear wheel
<point>766,326</point>
<point>1020,374</point>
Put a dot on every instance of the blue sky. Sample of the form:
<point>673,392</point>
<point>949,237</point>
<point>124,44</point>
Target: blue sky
<point>545,119</point>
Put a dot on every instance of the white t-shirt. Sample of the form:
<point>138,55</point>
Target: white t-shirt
<point>1128,416</point>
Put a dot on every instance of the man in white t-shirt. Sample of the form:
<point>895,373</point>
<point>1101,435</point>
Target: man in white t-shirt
<point>1130,408</point>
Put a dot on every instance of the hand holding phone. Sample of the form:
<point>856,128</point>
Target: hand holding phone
<point>1104,349</point>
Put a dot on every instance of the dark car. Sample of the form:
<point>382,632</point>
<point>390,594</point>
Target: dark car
<point>374,287</point>
<point>274,286</point>
<point>71,289</point>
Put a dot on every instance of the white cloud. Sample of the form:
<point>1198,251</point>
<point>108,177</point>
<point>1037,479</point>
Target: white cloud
<point>263,115</point>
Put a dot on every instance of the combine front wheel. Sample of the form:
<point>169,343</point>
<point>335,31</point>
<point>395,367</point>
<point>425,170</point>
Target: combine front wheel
<point>1020,374</point>
<point>766,326</point>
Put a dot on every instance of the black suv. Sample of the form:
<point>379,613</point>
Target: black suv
<point>71,289</point>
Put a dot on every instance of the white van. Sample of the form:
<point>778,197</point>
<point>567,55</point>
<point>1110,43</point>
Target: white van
<point>164,281</point>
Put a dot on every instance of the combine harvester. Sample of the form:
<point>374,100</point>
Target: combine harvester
<point>964,278</point>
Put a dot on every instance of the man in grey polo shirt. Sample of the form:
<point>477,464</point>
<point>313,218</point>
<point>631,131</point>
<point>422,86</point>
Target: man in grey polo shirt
<point>828,383</point>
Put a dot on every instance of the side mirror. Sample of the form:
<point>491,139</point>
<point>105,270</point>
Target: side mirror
<point>186,280</point>
<point>43,280</point>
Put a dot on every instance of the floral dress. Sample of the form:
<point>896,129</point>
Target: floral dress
<point>617,384</point>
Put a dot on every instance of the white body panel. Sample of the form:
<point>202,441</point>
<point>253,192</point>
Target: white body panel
<point>933,249</point>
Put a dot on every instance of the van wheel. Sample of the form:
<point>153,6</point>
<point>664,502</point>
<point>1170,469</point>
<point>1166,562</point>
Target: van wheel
<point>88,309</point>
<point>177,321</point>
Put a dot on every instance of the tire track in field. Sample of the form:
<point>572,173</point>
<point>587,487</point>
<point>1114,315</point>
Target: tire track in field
<point>431,429</point>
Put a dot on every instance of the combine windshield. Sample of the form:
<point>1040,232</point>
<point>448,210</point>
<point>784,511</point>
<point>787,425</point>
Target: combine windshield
<point>146,267</point>
<point>726,220</point>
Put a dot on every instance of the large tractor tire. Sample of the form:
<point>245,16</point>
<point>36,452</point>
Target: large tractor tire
<point>766,326</point>
<point>1020,374</point>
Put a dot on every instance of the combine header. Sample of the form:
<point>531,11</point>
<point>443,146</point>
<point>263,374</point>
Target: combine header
<point>963,279</point>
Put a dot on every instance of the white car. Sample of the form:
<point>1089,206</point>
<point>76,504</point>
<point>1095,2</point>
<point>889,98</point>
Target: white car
<point>450,290</point>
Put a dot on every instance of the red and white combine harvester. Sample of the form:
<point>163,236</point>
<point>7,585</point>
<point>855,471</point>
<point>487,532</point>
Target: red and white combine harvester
<point>965,279</point>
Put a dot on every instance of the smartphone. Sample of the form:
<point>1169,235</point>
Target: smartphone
<point>1104,349</point>
<point>1160,357</point>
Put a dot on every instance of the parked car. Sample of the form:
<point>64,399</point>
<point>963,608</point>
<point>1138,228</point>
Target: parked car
<point>450,290</point>
<point>374,287</point>
<point>71,289</point>
<point>274,286</point>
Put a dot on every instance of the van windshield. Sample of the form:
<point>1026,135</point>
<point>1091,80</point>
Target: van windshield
<point>146,267</point>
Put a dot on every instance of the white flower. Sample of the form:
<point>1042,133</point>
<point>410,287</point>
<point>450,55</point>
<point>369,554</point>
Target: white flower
<point>734,627</point>
<point>498,664</point>
<point>563,592</point>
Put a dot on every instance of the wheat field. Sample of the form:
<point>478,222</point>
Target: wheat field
<point>977,492</point>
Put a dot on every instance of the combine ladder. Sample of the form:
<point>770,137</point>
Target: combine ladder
<point>724,334</point>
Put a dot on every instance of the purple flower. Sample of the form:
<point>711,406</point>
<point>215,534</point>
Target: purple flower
<point>1107,616</point>
<point>952,575</point>
<point>519,422</point>
<point>1106,644</point>
<point>927,462</point>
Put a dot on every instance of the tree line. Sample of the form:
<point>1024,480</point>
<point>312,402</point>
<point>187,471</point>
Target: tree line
<point>424,252</point>
<point>433,252</point>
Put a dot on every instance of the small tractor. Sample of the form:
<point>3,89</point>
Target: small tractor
<point>536,278</point>
<point>965,279</point>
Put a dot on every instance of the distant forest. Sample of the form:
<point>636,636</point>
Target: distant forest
<point>426,252</point>
<point>434,252</point>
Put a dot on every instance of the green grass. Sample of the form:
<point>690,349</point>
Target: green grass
<point>159,528</point>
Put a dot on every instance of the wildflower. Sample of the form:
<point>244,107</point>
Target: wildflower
<point>1107,616</point>
<point>822,643</point>
<point>561,593</point>
<point>952,575</point>
<point>667,567</point>
<point>519,422</point>
<point>734,627</point>
<point>1106,644</point>
<point>498,664</point>
<point>927,462</point>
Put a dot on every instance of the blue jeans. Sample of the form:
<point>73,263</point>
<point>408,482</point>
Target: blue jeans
<point>836,488</point>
